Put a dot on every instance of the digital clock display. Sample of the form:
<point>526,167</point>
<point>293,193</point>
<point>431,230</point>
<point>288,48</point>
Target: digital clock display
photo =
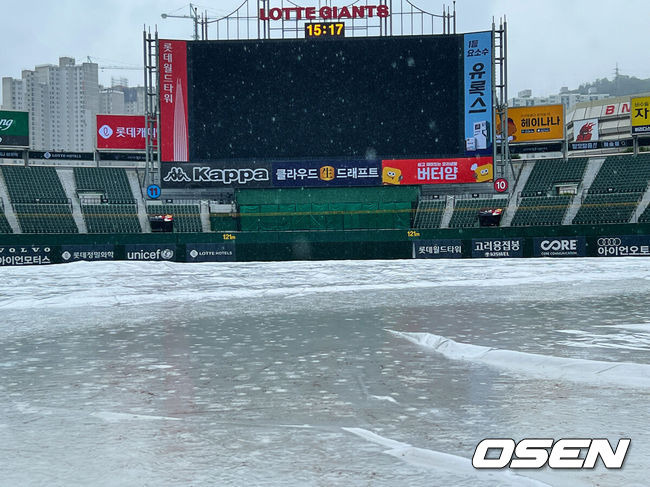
<point>325,29</point>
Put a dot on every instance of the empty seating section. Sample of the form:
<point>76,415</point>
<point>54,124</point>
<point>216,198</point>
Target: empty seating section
<point>541,210</point>
<point>548,172</point>
<point>429,213</point>
<point>4,224</point>
<point>45,218</point>
<point>33,185</point>
<point>466,211</point>
<point>622,174</point>
<point>326,208</point>
<point>111,218</point>
<point>187,218</point>
<point>607,208</point>
<point>112,182</point>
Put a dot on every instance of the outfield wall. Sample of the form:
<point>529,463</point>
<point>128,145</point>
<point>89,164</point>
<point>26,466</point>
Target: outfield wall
<point>490,242</point>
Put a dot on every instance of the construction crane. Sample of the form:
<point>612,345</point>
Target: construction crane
<point>194,15</point>
<point>102,68</point>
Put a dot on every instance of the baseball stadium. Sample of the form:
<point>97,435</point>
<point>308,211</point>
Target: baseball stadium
<point>329,254</point>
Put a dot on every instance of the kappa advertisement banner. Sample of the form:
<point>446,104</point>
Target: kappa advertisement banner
<point>123,132</point>
<point>172,62</point>
<point>437,249</point>
<point>325,174</point>
<point>640,115</point>
<point>215,175</point>
<point>478,92</point>
<point>624,246</point>
<point>534,124</point>
<point>14,128</point>
<point>560,247</point>
<point>437,171</point>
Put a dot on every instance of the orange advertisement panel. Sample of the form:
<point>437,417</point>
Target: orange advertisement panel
<point>437,171</point>
<point>534,124</point>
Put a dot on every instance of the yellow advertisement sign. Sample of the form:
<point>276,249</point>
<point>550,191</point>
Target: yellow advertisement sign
<point>640,115</point>
<point>534,124</point>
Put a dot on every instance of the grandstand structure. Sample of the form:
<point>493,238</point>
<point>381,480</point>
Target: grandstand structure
<point>330,171</point>
<point>39,199</point>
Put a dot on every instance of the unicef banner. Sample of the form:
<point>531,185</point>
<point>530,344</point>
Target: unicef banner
<point>153,252</point>
<point>320,174</point>
<point>497,247</point>
<point>626,246</point>
<point>75,253</point>
<point>560,247</point>
<point>210,252</point>
<point>437,249</point>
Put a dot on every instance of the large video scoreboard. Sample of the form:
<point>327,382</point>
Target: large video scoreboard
<point>255,103</point>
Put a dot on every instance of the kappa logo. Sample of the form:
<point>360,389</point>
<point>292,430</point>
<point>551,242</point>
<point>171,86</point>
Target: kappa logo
<point>176,175</point>
<point>229,176</point>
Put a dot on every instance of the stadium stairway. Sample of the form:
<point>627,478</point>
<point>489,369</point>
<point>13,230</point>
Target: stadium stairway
<point>643,204</point>
<point>447,214</point>
<point>139,201</point>
<point>66,177</point>
<point>511,209</point>
<point>9,210</point>
<point>593,167</point>
<point>205,216</point>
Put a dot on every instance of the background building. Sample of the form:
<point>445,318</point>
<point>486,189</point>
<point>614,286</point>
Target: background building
<point>525,98</point>
<point>63,101</point>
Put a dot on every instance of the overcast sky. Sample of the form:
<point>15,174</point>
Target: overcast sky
<point>551,43</point>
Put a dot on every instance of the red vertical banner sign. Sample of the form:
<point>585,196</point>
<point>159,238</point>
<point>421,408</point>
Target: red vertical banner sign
<point>172,65</point>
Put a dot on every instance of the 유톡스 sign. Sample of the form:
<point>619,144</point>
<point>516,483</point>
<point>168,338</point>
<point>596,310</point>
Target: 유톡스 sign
<point>14,128</point>
<point>534,124</point>
<point>640,115</point>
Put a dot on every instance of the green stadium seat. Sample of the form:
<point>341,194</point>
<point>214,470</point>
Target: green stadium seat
<point>187,218</point>
<point>541,211</point>
<point>429,213</point>
<point>607,208</point>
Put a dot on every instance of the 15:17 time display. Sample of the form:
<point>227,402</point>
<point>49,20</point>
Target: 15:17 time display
<point>325,29</point>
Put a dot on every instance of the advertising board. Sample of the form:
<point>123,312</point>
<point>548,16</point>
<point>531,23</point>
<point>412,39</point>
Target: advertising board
<point>14,128</point>
<point>437,171</point>
<point>123,132</point>
<point>437,249</point>
<point>534,124</point>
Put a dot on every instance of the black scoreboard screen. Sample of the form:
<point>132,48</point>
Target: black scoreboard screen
<point>335,97</point>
